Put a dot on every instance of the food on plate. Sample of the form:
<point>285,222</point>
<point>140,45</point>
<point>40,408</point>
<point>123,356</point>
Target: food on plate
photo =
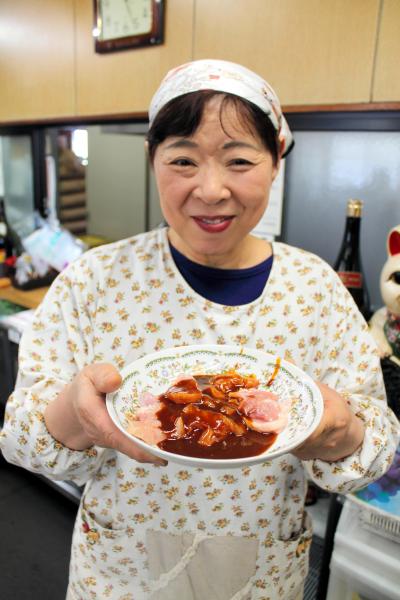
<point>262,411</point>
<point>225,415</point>
<point>146,425</point>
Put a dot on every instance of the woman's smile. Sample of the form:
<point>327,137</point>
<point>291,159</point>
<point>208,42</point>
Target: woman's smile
<point>213,224</point>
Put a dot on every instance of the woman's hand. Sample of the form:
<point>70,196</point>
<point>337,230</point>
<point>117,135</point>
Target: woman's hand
<point>339,433</point>
<point>78,417</point>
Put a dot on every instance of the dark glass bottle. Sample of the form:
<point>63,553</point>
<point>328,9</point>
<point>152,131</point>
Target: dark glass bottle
<point>348,263</point>
<point>6,249</point>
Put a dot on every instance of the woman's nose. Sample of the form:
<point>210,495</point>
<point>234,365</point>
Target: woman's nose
<point>212,186</point>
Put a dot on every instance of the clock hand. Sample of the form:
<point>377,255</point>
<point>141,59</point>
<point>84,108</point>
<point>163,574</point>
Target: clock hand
<point>128,10</point>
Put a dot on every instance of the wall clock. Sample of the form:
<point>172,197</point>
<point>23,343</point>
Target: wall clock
<point>123,24</point>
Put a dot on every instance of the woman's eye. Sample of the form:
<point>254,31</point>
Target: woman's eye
<point>240,162</point>
<point>183,162</point>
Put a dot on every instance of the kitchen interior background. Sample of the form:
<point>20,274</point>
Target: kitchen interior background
<point>110,191</point>
<point>334,66</point>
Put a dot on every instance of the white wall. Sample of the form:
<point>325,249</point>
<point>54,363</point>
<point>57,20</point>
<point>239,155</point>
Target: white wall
<point>116,184</point>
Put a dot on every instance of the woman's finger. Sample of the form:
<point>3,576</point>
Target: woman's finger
<point>92,412</point>
<point>104,377</point>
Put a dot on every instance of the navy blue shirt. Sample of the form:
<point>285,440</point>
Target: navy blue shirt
<point>231,287</point>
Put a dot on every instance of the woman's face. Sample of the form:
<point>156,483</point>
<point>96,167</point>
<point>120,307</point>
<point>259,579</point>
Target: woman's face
<point>214,188</point>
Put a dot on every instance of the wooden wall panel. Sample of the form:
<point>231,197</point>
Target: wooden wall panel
<point>36,59</point>
<point>310,51</point>
<point>387,71</point>
<point>124,82</point>
<point>313,52</point>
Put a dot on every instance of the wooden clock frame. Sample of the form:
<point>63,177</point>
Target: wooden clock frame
<point>153,37</point>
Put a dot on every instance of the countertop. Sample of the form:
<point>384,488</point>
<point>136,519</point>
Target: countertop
<point>27,299</point>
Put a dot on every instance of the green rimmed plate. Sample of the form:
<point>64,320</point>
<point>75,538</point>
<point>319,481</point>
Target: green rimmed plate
<point>155,372</point>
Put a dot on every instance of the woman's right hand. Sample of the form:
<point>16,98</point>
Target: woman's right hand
<point>78,417</point>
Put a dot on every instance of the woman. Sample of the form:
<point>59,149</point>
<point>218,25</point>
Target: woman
<point>156,530</point>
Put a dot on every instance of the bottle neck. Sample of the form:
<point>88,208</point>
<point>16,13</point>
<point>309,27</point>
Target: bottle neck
<point>352,230</point>
<point>2,211</point>
<point>3,223</point>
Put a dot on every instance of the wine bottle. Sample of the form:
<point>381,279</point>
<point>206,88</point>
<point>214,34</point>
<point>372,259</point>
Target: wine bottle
<point>348,263</point>
<point>5,242</point>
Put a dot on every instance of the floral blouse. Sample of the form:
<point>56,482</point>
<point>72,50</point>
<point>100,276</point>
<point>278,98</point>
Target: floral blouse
<point>145,531</point>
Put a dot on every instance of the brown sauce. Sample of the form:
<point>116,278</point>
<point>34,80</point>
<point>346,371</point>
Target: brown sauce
<point>203,414</point>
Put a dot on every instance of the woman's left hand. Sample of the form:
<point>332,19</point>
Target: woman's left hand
<point>339,433</point>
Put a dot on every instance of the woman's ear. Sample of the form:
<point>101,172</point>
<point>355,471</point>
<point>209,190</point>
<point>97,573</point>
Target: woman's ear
<point>275,169</point>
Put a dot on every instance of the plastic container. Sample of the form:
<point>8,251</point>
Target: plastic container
<point>379,521</point>
<point>362,562</point>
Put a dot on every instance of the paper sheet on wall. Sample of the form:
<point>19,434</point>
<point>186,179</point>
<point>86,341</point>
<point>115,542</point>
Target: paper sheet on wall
<point>270,224</point>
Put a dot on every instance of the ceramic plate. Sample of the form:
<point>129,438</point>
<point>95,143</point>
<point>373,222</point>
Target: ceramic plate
<point>155,373</point>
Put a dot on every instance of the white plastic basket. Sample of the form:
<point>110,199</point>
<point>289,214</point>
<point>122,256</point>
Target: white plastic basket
<point>377,520</point>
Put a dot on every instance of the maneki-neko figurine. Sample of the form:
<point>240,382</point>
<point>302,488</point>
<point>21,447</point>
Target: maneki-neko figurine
<point>385,323</point>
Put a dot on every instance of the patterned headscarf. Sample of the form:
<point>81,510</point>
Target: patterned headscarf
<point>229,77</point>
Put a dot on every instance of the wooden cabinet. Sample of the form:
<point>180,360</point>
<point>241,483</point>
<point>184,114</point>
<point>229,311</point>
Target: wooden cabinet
<point>386,86</point>
<point>310,51</point>
<point>124,82</point>
<point>313,52</point>
<point>36,59</point>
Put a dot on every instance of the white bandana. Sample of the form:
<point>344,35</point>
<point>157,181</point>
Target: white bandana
<point>223,76</point>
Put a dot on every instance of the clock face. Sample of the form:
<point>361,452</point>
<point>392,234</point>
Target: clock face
<point>124,18</point>
<point>123,24</point>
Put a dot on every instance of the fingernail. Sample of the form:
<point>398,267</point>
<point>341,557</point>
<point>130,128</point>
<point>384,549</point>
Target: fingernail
<point>161,463</point>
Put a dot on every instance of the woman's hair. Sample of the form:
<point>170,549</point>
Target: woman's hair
<point>182,116</point>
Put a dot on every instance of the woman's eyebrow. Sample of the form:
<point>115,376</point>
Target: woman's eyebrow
<point>182,144</point>
<point>238,144</point>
